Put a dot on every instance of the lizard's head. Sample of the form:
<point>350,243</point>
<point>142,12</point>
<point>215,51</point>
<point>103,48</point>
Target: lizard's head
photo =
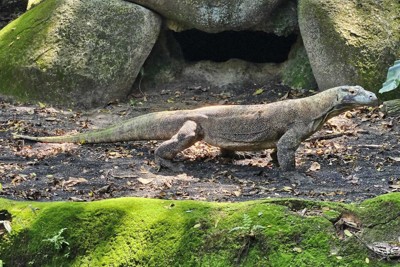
<point>354,96</point>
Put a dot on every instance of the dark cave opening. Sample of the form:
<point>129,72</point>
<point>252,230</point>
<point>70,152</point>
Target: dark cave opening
<point>251,46</point>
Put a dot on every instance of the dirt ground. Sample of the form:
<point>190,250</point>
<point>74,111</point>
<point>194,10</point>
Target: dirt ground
<point>354,157</point>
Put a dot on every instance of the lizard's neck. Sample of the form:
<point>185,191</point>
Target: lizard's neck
<point>324,106</point>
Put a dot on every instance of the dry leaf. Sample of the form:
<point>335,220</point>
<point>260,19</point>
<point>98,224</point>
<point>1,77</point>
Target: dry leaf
<point>397,159</point>
<point>7,225</point>
<point>43,150</point>
<point>74,181</point>
<point>143,170</point>
<point>395,186</point>
<point>315,166</point>
<point>237,193</point>
<point>145,181</point>
<point>287,189</point>
<point>77,199</point>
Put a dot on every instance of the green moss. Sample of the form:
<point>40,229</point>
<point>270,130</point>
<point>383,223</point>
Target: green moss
<point>359,38</point>
<point>28,32</point>
<point>148,232</point>
<point>297,72</point>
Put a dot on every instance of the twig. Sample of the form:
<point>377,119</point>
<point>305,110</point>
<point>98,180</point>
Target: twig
<point>371,146</point>
<point>329,136</point>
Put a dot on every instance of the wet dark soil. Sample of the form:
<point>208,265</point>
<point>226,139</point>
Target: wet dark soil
<point>354,157</point>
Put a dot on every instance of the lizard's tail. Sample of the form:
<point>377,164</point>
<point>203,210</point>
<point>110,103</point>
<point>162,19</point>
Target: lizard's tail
<point>94,137</point>
<point>152,126</point>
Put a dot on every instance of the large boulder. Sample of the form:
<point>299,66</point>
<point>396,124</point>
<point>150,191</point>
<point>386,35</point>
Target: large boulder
<point>214,16</point>
<point>78,53</point>
<point>350,42</point>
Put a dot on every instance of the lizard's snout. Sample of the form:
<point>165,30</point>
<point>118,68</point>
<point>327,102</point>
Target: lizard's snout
<point>373,99</point>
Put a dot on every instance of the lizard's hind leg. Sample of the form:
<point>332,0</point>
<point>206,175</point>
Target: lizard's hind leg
<point>187,135</point>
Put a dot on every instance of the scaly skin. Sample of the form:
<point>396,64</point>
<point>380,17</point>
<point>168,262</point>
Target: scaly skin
<point>281,125</point>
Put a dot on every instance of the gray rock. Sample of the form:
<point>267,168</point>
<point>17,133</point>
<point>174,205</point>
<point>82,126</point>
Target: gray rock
<point>350,42</point>
<point>77,53</point>
<point>297,72</point>
<point>213,15</point>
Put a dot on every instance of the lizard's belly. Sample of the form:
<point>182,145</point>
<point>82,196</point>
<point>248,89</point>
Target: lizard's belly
<point>239,135</point>
<point>240,145</point>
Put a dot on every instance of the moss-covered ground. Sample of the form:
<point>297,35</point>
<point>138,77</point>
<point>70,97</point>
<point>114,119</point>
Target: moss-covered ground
<point>151,232</point>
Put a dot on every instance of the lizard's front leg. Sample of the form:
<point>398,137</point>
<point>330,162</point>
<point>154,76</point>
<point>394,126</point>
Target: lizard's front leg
<point>286,150</point>
<point>187,135</point>
<point>287,146</point>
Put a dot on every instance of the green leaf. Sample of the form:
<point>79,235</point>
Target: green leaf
<point>392,79</point>
<point>389,86</point>
<point>236,229</point>
<point>258,91</point>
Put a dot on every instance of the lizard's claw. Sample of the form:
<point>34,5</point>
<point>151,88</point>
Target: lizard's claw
<point>169,164</point>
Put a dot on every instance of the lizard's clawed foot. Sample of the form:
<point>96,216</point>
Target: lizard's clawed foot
<point>296,178</point>
<point>169,164</point>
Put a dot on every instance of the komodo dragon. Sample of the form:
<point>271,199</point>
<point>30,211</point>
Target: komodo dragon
<point>280,125</point>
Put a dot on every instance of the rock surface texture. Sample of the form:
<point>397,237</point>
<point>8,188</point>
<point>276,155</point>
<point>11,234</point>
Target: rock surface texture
<point>214,16</point>
<point>350,42</point>
<point>76,53</point>
<point>84,54</point>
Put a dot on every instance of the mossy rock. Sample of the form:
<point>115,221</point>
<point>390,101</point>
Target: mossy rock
<point>76,53</point>
<point>297,72</point>
<point>350,42</point>
<point>149,232</point>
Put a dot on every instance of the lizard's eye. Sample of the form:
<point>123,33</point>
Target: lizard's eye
<point>352,91</point>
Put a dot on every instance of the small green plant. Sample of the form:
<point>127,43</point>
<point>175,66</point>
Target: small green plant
<point>133,102</point>
<point>59,242</point>
<point>248,227</point>
<point>393,78</point>
<point>250,234</point>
